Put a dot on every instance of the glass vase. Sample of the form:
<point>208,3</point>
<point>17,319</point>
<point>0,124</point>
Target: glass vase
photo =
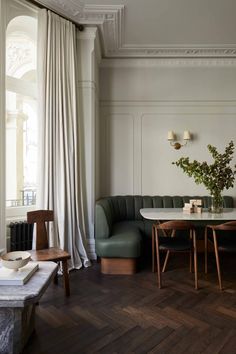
<point>216,205</point>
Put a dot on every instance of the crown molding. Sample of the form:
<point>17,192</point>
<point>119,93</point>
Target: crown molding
<point>166,62</point>
<point>110,21</point>
<point>200,105</point>
<point>187,51</point>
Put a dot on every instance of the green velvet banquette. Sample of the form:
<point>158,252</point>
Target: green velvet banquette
<point>121,231</point>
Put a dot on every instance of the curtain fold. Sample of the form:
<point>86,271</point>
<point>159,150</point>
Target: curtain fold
<point>60,184</point>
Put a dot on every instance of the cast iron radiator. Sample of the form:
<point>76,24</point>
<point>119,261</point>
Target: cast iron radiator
<point>21,235</point>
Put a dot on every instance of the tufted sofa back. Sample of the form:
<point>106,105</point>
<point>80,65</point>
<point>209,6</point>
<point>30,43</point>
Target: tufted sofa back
<point>110,210</point>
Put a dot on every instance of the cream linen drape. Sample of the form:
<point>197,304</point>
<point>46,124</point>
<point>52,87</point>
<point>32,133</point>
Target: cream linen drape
<point>60,187</point>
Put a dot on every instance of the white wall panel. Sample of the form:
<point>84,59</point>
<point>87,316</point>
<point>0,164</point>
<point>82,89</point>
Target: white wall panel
<point>159,175</point>
<point>119,153</point>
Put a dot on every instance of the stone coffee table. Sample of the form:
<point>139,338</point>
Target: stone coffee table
<point>17,308</point>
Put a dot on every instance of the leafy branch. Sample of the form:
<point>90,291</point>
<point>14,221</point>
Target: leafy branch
<point>216,176</point>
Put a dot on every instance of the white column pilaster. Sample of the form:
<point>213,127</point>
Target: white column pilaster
<point>88,61</point>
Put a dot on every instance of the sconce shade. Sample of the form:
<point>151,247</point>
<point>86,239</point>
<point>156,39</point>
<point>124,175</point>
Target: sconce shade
<point>170,135</point>
<point>187,135</point>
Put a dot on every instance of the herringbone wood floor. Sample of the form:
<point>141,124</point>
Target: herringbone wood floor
<point>129,314</point>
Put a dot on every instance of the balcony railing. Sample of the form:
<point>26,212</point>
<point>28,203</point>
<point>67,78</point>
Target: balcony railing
<point>28,197</point>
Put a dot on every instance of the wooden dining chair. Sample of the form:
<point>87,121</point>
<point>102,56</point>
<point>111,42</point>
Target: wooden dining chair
<point>43,252</point>
<point>166,239</point>
<point>224,240</point>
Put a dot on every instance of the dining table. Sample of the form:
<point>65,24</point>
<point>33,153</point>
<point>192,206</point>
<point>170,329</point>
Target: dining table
<point>199,220</point>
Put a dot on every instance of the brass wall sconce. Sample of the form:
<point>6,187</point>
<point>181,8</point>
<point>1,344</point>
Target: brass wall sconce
<point>172,139</point>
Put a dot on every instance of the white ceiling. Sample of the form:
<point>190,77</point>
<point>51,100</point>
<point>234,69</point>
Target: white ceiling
<point>157,28</point>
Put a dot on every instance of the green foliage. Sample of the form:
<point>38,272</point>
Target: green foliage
<point>215,177</point>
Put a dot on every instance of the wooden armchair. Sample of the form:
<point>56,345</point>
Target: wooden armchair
<point>43,252</point>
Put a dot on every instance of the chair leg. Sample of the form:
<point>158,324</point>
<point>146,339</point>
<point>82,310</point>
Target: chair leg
<point>66,277</point>
<point>191,253</point>
<point>190,261</point>
<point>165,262</point>
<point>153,249</point>
<point>168,252</point>
<point>158,261</point>
<point>55,279</point>
<point>195,260</point>
<point>206,250</point>
<point>217,260</point>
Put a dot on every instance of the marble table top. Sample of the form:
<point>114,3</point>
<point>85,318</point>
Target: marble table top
<point>22,295</point>
<point>178,214</point>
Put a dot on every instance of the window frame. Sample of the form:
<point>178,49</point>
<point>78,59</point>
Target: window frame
<point>9,9</point>
<point>2,125</point>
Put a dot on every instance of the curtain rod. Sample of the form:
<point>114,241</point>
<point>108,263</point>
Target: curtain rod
<point>42,6</point>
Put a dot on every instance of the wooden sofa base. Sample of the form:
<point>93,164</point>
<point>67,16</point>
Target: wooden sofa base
<point>124,266</point>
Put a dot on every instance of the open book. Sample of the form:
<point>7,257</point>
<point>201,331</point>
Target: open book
<point>19,277</point>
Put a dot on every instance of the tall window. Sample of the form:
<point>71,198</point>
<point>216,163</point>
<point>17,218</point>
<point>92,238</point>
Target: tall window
<point>21,111</point>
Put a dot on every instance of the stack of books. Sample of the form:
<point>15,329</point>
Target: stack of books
<point>19,277</point>
<point>194,206</point>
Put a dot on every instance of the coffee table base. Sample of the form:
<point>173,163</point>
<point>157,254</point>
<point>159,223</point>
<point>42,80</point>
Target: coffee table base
<point>16,326</point>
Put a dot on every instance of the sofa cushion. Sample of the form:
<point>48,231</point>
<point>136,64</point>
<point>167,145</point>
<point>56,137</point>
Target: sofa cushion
<point>121,245</point>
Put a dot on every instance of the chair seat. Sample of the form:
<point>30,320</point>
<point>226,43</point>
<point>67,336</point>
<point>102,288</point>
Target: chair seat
<point>49,254</point>
<point>174,244</point>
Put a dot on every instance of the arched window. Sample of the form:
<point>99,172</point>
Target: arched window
<point>21,111</point>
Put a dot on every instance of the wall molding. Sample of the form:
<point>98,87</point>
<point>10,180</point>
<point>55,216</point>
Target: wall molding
<point>169,104</point>
<point>110,19</point>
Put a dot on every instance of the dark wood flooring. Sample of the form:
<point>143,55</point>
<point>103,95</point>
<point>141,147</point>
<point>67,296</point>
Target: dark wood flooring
<point>129,314</point>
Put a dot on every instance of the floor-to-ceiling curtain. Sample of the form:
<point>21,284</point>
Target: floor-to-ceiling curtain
<point>60,184</point>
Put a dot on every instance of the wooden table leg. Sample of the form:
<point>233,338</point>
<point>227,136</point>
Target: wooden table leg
<point>158,261</point>
<point>195,260</point>
<point>217,260</point>
<point>206,250</point>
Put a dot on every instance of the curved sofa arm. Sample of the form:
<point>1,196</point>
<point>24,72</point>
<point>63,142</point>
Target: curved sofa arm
<point>103,218</point>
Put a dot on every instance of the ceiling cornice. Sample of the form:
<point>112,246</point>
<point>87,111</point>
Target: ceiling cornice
<point>165,62</point>
<point>110,21</point>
